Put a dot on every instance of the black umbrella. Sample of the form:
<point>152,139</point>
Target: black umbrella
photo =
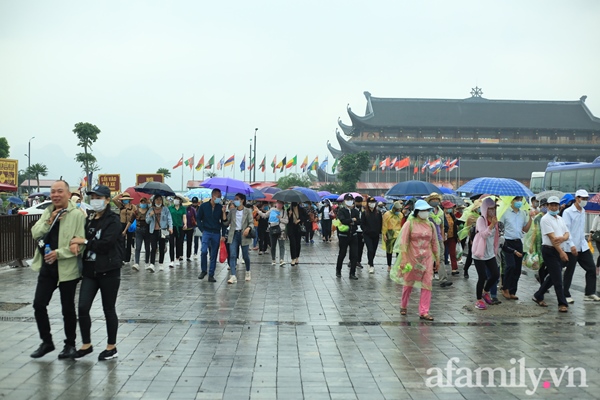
<point>290,196</point>
<point>413,188</point>
<point>454,199</point>
<point>155,188</point>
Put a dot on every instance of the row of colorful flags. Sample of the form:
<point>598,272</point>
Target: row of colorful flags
<point>433,166</point>
<point>283,164</point>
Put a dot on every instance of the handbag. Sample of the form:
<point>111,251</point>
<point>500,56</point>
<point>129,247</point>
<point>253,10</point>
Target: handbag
<point>302,228</point>
<point>251,233</point>
<point>222,252</point>
<point>197,232</point>
<point>596,236</point>
<point>275,230</point>
<point>164,233</point>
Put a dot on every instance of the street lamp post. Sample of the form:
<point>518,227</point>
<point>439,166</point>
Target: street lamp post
<point>250,160</point>
<point>29,166</point>
<point>254,166</point>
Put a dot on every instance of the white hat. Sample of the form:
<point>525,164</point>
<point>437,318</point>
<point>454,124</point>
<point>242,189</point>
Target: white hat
<point>553,199</point>
<point>582,193</point>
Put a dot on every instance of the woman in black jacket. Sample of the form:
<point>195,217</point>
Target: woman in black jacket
<point>102,259</point>
<point>371,222</point>
<point>297,218</point>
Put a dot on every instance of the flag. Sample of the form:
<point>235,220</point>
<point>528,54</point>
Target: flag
<point>324,163</point>
<point>179,163</point>
<point>445,165</point>
<point>274,163</point>
<point>189,162</point>
<point>304,164</point>
<point>425,166</point>
<point>210,163</point>
<point>251,165</point>
<point>385,164</point>
<point>243,164</point>
<point>435,164</point>
<point>292,162</point>
<point>263,164</point>
<point>393,163</point>
<point>221,162</point>
<point>416,169</point>
<point>454,164</point>
<point>230,161</point>
<point>315,164</point>
<point>200,163</point>
<point>375,164</point>
<point>401,164</point>
<point>335,163</point>
<point>282,164</point>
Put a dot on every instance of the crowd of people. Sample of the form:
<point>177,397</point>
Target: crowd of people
<point>420,237</point>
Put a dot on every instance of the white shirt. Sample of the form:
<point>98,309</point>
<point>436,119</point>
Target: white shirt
<point>239,215</point>
<point>575,222</point>
<point>555,225</point>
<point>326,212</point>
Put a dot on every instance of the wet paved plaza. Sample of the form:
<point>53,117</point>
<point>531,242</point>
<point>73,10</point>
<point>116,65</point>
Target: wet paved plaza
<point>300,332</point>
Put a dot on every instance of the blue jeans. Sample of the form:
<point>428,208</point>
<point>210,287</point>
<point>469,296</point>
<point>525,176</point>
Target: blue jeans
<point>234,246</point>
<point>210,242</point>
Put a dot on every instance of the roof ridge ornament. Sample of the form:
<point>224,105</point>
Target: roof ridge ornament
<point>476,92</point>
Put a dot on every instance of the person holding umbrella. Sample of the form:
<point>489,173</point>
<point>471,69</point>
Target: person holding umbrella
<point>349,219</point>
<point>325,213</point>
<point>297,217</point>
<point>160,225</point>
<point>240,223</point>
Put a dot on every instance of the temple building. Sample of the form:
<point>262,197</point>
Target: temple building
<point>499,138</point>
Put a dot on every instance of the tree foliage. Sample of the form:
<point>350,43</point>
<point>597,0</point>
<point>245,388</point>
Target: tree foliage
<point>165,171</point>
<point>291,180</point>
<point>37,170</point>
<point>87,134</point>
<point>331,187</point>
<point>4,148</point>
<point>350,167</point>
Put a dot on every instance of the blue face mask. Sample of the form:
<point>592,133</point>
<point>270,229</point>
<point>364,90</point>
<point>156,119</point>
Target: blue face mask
<point>237,203</point>
<point>544,209</point>
<point>78,205</point>
<point>518,204</point>
<point>125,201</point>
<point>218,200</point>
<point>143,206</point>
<point>553,213</point>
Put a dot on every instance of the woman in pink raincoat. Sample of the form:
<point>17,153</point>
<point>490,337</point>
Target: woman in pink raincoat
<point>417,250</point>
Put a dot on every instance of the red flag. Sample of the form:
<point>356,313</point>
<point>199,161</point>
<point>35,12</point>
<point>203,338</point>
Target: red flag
<point>405,162</point>
<point>179,163</point>
<point>415,170</point>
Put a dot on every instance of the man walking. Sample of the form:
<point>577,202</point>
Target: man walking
<point>348,218</point>
<point>56,262</point>
<point>360,243</point>
<point>210,218</point>
<point>574,218</point>
<point>516,222</point>
<point>437,217</point>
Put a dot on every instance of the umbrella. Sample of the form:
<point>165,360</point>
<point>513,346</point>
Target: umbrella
<point>381,199</point>
<point>341,196</point>
<point>413,188</point>
<point>323,193</point>
<point>155,188</point>
<point>136,196</point>
<point>290,196</point>
<point>200,193</point>
<point>15,200</point>
<point>228,185</point>
<point>45,194</point>
<point>497,186</point>
<point>333,197</point>
<point>311,194</point>
<point>549,193</point>
<point>255,195</point>
<point>271,190</point>
<point>4,187</point>
<point>446,190</point>
<point>453,198</point>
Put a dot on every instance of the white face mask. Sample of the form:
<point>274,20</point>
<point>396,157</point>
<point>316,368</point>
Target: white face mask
<point>348,203</point>
<point>372,205</point>
<point>98,204</point>
<point>176,202</point>
<point>583,203</point>
<point>423,214</point>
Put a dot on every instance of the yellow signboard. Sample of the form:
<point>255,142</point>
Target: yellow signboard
<point>112,181</point>
<point>9,172</point>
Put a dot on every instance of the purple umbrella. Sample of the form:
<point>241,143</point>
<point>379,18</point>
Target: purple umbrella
<point>341,196</point>
<point>381,199</point>
<point>323,193</point>
<point>228,185</point>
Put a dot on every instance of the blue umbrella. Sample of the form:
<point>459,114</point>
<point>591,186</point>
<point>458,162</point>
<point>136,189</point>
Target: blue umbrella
<point>15,200</point>
<point>332,197</point>
<point>255,195</point>
<point>323,193</point>
<point>311,194</point>
<point>446,190</point>
<point>496,186</point>
<point>413,188</point>
<point>200,193</point>
<point>227,185</point>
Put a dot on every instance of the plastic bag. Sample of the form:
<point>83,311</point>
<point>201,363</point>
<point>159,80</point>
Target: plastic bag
<point>132,226</point>
<point>459,250</point>
<point>532,261</point>
<point>591,246</point>
<point>222,252</point>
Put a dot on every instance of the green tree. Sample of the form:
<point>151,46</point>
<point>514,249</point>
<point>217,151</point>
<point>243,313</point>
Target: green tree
<point>4,148</point>
<point>291,180</point>
<point>350,167</point>
<point>165,171</point>
<point>87,134</point>
<point>331,187</point>
<point>37,170</point>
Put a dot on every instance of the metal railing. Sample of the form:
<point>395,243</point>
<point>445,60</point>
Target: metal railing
<point>16,242</point>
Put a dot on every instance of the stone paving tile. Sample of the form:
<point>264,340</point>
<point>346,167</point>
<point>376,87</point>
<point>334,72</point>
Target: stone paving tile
<point>293,332</point>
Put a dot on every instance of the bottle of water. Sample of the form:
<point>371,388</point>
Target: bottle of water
<point>47,249</point>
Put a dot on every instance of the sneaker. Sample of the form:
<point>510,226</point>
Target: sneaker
<point>480,305</point>
<point>495,301</point>
<point>171,264</point>
<point>202,275</point>
<point>312,241</point>
<point>353,277</point>
<point>44,349</point>
<point>232,279</point>
<point>150,267</point>
<point>211,278</point>
<point>161,267</point>
<point>359,265</point>
<point>108,355</point>
<point>570,300</point>
<point>260,253</point>
<point>436,276</point>
<point>242,261</point>
<point>67,352</point>
<point>591,297</point>
<point>135,267</point>
<point>281,263</point>
<point>248,276</point>
<point>195,256</point>
<point>188,259</point>
<point>371,270</point>
<point>273,262</point>
<point>455,272</point>
<point>445,284</point>
<point>486,297</point>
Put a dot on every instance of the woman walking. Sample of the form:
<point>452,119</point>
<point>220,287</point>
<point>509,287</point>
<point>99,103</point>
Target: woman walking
<point>191,232</point>
<point>278,220</point>
<point>240,223</point>
<point>179,217</point>
<point>371,223</point>
<point>262,229</point>
<point>102,259</point>
<point>390,230</point>
<point>417,250</point>
<point>326,215</point>
<point>142,233</point>
<point>484,249</point>
<point>160,225</point>
<point>297,217</point>
<point>126,210</point>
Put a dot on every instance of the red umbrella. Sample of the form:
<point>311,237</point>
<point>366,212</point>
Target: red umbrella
<point>4,187</point>
<point>136,196</point>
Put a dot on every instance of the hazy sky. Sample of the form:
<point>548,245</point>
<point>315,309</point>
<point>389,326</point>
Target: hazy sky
<point>162,78</point>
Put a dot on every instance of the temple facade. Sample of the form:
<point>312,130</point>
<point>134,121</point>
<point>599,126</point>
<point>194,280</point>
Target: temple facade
<point>500,138</point>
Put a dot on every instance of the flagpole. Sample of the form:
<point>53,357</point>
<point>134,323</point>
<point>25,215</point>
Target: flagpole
<point>182,173</point>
